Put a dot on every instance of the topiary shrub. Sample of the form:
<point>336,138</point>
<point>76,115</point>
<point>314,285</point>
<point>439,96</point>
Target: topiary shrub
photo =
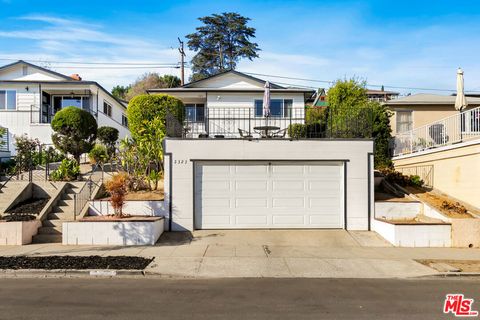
<point>147,107</point>
<point>75,131</point>
<point>98,154</point>
<point>68,170</point>
<point>297,131</point>
<point>108,136</point>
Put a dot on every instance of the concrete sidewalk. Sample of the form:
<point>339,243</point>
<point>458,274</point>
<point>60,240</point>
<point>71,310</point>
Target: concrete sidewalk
<point>269,253</point>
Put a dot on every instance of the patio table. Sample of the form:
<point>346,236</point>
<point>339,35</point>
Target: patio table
<point>265,130</point>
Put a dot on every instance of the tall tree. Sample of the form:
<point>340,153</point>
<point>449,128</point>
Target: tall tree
<point>120,92</point>
<point>151,81</point>
<point>220,43</point>
<point>352,115</point>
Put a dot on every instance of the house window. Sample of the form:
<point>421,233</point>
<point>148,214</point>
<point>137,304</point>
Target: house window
<point>60,102</point>
<point>25,70</point>
<point>124,121</point>
<point>278,107</point>
<point>404,121</point>
<point>107,109</point>
<point>8,100</point>
<point>195,112</point>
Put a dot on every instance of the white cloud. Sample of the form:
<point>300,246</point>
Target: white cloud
<point>62,39</point>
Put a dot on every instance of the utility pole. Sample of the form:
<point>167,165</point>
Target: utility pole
<point>182,61</point>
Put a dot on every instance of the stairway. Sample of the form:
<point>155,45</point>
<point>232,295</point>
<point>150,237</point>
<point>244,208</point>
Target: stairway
<point>51,229</point>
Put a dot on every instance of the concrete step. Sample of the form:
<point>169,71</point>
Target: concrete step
<point>65,203</point>
<point>50,230</point>
<point>60,216</point>
<point>47,238</point>
<point>53,223</point>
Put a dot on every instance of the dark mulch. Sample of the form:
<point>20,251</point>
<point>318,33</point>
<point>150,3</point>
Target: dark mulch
<point>19,217</point>
<point>29,206</point>
<point>74,262</point>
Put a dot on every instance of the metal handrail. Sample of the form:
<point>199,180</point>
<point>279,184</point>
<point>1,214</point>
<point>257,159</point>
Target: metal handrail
<point>452,129</point>
<point>81,198</point>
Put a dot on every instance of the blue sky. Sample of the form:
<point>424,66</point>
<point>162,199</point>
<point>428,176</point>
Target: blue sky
<point>394,43</point>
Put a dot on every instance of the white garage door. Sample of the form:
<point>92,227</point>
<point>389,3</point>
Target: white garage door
<point>236,195</point>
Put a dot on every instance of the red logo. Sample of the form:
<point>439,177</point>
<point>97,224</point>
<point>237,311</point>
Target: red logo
<point>460,306</point>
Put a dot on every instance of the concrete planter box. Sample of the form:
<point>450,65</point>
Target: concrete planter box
<point>155,208</point>
<point>124,232</point>
<point>414,235</point>
<point>397,210</point>
<point>17,233</point>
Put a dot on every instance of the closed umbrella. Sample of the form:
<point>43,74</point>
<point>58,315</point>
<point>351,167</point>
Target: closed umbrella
<point>460,100</point>
<point>266,100</point>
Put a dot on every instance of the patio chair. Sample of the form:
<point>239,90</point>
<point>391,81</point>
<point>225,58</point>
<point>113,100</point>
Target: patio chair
<point>280,133</point>
<point>244,134</point>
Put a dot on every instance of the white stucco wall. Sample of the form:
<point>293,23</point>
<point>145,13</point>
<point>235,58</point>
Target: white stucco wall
<point>179,169</point>
<point>131,207</point>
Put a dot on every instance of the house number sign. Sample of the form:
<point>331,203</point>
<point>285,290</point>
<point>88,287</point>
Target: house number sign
<point>180,161</point>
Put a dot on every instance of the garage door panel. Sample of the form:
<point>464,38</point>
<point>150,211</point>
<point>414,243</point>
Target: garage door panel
<point>252,220</point>
<point>290,202</point>
<point>251,170</point>
<point>251,203</point>
<point>288,220</point>
<point>269,195</point>
<point>251,185</point>
<point>288,185</point>
<point>282,170</point>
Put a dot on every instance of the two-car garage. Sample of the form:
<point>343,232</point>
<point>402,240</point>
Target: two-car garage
<point>269,194</point>
<point>268,184</point>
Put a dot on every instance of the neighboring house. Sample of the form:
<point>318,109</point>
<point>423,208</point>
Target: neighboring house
<point>438,143</point>
<point>422,109</point>
<point>224,103</point>
<point>31,95</point>
<point>381,95</point>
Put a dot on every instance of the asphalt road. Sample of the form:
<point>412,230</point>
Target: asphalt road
<point>230,298</point>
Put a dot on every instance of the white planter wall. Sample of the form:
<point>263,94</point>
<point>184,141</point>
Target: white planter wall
<point>414,235</point>
<point>18,232</point>
<point>397,210</point>
<point>131,207</point>
<point>125,233</point>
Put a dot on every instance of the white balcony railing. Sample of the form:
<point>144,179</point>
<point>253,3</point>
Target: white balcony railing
<point>461,127</point>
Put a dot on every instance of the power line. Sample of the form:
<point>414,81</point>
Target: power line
<point>118,68</point>
<point>368,84</point>
<point>97,63</point>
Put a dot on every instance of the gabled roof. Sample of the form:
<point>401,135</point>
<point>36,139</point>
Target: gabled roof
<point>428,99</point>
<point>238,73</point>
<point>37,67</point>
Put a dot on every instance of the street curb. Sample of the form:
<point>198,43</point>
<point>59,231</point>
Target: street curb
<point>94,273</point>
<point>458,274</point>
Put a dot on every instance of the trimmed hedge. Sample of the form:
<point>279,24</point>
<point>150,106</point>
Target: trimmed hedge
<point>147,107</point>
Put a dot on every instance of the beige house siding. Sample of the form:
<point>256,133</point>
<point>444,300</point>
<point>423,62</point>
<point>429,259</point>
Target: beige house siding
<point>423,114</point>
<point>455,170</point>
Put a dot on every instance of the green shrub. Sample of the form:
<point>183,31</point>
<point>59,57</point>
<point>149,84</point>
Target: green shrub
<point>108,136</point>
<point>316,115</point>
<point>67,171</point>
<point>144,108</point>
<point>7,167</point>
<point>49,155</point>
<point>98,154</point>
<point>297,131</point>
<point>75,131</point>
<point>393,176</point>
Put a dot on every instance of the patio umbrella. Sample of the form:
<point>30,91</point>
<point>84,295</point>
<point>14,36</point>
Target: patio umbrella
<point>460,100</point>
<point>266,100</point>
